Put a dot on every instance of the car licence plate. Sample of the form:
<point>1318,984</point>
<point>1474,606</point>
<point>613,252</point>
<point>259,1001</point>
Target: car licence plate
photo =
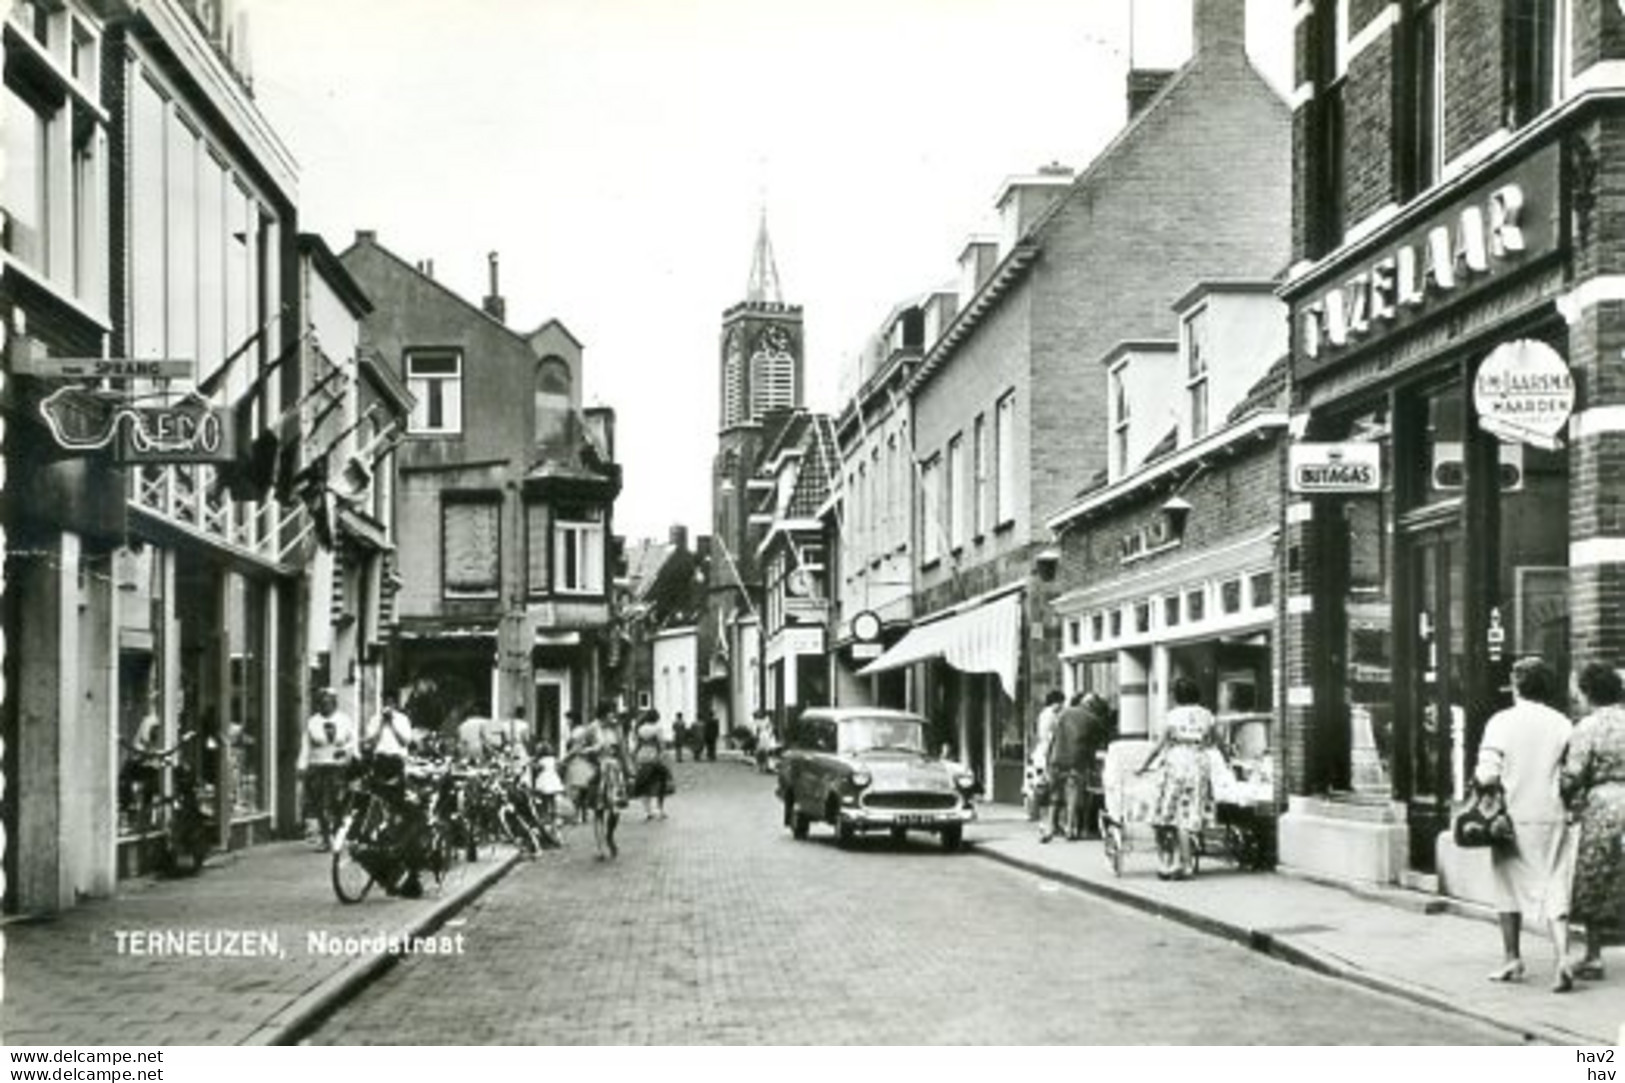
<point>908,819</point>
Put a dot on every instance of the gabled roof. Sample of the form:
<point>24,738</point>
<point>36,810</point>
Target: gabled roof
<point>1026,250</point>
<point>474,309</point>
<point>558,323</point>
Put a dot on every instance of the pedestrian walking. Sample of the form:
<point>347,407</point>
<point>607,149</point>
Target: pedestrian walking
<point>651,781</point>
<point>1522,752</point>
<point>1186,793</point>
<point>1593,780</point>
<point>578,771</point>
<point>549,785</point>
<point>1039,783</point>
<point>604,795</point>
<point>329,746</point>
<point>1079,732</point>
<point>679,735</point>
<point>710,730</point>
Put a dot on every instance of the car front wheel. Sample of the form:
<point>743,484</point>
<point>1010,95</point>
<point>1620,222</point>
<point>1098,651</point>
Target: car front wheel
<point>952,837</point>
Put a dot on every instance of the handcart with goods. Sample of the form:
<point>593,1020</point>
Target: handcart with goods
<point>1237,825</point>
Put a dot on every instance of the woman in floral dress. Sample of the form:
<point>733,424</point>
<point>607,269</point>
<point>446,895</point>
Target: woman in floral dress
<point>1594,783</point>
<point>1186,794</point>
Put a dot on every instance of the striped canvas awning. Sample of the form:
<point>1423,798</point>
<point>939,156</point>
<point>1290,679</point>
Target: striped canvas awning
<point>985,639</point>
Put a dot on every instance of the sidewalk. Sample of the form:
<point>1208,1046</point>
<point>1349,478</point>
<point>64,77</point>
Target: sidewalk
<point>67,981</point>
<point>1396,941</point>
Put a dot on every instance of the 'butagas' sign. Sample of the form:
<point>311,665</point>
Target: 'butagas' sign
<point>1335,468</point>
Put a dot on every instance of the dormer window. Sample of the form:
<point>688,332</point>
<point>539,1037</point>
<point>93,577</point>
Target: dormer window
<point>552,398</point>
<point>1120,420</point>
<point>1196,381</point>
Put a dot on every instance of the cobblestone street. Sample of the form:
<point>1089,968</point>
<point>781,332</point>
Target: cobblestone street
<point>715,927</point>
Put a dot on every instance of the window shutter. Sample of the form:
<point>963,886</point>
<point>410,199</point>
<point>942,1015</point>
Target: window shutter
<point>472,556</point>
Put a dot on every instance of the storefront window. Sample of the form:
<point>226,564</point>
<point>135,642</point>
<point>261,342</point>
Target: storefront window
<point>1195,605</point>
<point>244,736</point>
<point>1363,542</point>
<point>1534,556</point>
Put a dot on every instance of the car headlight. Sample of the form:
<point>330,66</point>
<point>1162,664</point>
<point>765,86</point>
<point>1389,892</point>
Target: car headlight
<point>860,779</point>
<point>965,780</point>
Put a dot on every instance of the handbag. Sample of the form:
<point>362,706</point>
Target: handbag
<point>1485,821</point>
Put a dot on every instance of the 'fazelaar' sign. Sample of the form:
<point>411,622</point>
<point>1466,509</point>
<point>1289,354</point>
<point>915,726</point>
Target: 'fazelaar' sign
<point>1487,234</point>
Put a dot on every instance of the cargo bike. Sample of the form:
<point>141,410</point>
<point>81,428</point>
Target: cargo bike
<point>1237,826</point>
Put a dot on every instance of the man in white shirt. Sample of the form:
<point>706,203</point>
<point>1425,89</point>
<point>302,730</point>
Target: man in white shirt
<point>329,746</point>
<point>389,735</point>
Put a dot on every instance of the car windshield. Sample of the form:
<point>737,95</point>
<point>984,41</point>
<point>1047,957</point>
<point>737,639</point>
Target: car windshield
<point>872,734</point>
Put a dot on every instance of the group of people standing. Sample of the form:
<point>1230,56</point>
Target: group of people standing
<point>1069,738</point>
<point>1564,788</point>
<point>332,745</point>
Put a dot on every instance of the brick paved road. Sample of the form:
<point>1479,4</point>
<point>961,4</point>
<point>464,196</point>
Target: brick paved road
<point>716,928</point>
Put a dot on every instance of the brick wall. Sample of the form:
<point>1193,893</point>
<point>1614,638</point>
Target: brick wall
<point>1368,96</point>
<point>1473,64</point>
<point>1236,497</point>
<point>1201,191</point>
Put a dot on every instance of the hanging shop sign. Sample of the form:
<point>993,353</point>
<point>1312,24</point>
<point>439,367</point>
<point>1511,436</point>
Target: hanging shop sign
<point>105,368</point>
<point>865,626</point>
<point>1317,468</point>
<point>1479,239</point>
<point>187,431</point>
<point>1524,393</point>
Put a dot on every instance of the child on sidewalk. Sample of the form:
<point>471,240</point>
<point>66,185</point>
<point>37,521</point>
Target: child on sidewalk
<point>548,783</point>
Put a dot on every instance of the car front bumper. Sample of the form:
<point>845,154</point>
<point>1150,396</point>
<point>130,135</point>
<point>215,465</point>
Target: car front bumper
<point>877,819</point>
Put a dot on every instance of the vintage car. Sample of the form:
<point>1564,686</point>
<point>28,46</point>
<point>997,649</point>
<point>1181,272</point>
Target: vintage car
<point>867,769</point>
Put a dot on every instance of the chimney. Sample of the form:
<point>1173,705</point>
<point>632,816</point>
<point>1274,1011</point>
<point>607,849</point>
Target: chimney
<point>366,236</point>
<point>1143,84</point>
<point>976,261</point>
<point>494,305</point>
<point>1221,26</point>
<point>679,538</point>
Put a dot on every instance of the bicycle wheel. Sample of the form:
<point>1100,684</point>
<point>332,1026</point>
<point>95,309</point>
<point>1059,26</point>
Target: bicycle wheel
<point>518,832</point>
<point>351,879</point>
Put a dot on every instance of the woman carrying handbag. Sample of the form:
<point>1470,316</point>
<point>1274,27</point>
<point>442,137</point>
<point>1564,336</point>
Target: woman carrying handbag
<point>1522,753</point>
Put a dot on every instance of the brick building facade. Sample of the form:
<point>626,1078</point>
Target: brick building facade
<point>1457,290</point>
<point>1008,403</point>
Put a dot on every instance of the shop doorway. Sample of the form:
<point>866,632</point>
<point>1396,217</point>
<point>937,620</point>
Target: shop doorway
<point>552,703</point>
<point>1434,711</point>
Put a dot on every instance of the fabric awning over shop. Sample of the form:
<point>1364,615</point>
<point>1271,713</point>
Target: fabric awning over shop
<point>986,639</point>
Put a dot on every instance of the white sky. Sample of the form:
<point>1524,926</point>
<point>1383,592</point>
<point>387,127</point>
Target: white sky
<point>616,152</point>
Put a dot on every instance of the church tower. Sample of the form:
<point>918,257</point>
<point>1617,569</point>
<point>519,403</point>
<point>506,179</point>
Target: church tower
<point>759,384</point>
<point>759,381</point>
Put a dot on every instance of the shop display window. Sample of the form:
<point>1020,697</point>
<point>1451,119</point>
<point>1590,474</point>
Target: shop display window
<point>1230,596</point>
<point>1170,610</point>
<point>1196,605</point>
<point>1142,617</point>
<point>1362,543</point>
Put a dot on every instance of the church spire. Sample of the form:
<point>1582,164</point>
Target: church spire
<point>764,272</point>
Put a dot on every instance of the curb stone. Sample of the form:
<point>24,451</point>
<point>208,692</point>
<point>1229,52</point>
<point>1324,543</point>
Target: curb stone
<point>1266,943</point>
<point>302,1016</point>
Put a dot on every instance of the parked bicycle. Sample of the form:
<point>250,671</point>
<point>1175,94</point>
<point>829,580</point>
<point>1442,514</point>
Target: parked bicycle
<point>392,833</point>
<point>188,830</point>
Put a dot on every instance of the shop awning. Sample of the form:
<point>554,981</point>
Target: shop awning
<point>985,639</point>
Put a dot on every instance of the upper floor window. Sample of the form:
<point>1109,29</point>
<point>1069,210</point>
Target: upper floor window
<point>1004,460</point>
<point>1328,177</point>
<point>471,545</point>
<point>537,548</point>
<point>931,531</point>
<point>578,550</point>
<point>979,479</point>
<point>1121,415</point>
<point>435,378</point>
<point>1536,59</point>
<point>1423,159</point>
<point>1196,362</point>
<point>953,495</point>
<point>52,192</point>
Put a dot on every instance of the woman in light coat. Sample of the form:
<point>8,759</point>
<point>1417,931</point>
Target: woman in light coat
<point>1522,751</point>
